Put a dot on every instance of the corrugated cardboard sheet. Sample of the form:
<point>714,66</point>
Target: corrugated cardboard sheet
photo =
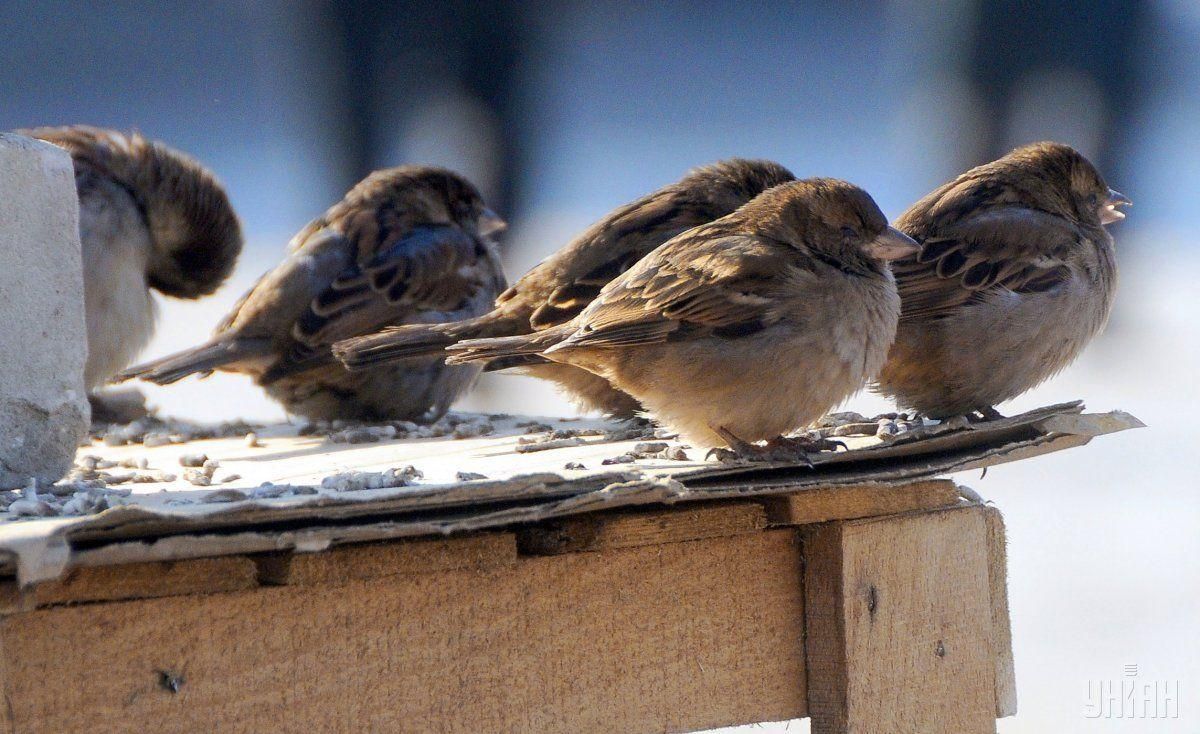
<point>165,522</point>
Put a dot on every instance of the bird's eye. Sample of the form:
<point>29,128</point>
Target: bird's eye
<point>849,233</point>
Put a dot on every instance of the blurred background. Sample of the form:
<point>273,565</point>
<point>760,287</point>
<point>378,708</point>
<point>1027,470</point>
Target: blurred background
<point>561,111</point>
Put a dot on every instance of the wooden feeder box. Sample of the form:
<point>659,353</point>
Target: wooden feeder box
<point>648,595</point>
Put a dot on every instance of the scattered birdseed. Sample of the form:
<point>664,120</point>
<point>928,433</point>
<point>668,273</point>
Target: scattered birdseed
<point>853,429</point>
<point>647,449</point>
<point>574,465</point>
<point>622,459</point>
<point>887,429</point>
<point>154,440</point>
<point>192,460</point>
<point>630,433</point>
<point>558,443</point>
<point>225,495</point>
<point>473,430</point>
<point>353,481</point>
<point>88,502</point>
<point>469,476</point>
<point>269,491</point>
<point>197,477</point>
<point>26,507</point>
<point>365,434</point>
<point>834,420</point>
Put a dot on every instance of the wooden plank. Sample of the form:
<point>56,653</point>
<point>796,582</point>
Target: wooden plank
<point>375,560</point>
<point>634,528</point>
<point>899,633</point>
<point>12,600</point>
<point>7,725</point>
<point>667,638</point>
<point>140,581</point>
<point>1006,676</point>
<point>822,504</point>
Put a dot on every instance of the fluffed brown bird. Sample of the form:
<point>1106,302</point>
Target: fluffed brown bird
<point>557,289</point>
<point>1015,276</point>
<point>406,245</point>
<point>150,217</point>
<point>745,328</point>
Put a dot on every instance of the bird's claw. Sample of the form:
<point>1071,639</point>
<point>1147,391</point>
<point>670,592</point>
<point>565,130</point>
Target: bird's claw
<point>795,450</point>
<point>720,453</point>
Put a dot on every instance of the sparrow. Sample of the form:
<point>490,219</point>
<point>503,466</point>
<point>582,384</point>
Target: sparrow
<point>411,244</point>
<point>556,290</point>
<point>1015,276</point>
<point>745,328</point>
<point>150,218</point>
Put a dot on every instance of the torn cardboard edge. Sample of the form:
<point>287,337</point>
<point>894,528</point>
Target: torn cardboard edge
<point>44,550</point>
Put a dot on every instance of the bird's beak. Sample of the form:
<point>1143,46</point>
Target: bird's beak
<point>892,245</point>
<point>1109,212</point>
<point>490,223</point>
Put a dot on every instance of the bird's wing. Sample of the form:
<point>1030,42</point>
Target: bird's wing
<point>602,252</point>
<point>430,267</point>
<point>1005,247</point>
<point>722,284</point>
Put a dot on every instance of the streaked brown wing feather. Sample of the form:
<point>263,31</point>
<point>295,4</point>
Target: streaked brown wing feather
<point>417,270</point>
<point>559,289</point>
<point>692,281</point>
<point>1010,247</point>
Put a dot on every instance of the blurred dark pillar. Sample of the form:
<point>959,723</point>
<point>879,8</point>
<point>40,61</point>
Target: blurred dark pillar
<point>1099,38</point>
<point>396,53</point>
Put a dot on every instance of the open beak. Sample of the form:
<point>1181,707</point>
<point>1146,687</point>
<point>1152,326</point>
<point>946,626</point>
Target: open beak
<point>490,224</point>
<point>1109,212</point>
<point>892,245</point>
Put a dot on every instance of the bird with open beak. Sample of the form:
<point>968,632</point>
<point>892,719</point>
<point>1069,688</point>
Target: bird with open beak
<point>1015,275</point>
<point>412,244</point>
<point>746,328</point>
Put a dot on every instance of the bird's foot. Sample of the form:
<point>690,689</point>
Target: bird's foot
<point>797,449</point>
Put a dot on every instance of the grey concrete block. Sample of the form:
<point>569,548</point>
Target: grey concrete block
<point>43,340</point>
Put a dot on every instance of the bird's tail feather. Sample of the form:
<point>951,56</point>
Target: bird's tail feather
<point>202,359</point>
<point>507,347</point>
<point>416,340</point>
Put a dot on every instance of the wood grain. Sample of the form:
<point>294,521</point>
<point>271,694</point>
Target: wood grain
<point>375,560</point>
<point>666,638</point>
<point>1006,676</point>
<point>900,625</point>
<point>630,529</point>
<point>135,581</point>
<point>822,504</point>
